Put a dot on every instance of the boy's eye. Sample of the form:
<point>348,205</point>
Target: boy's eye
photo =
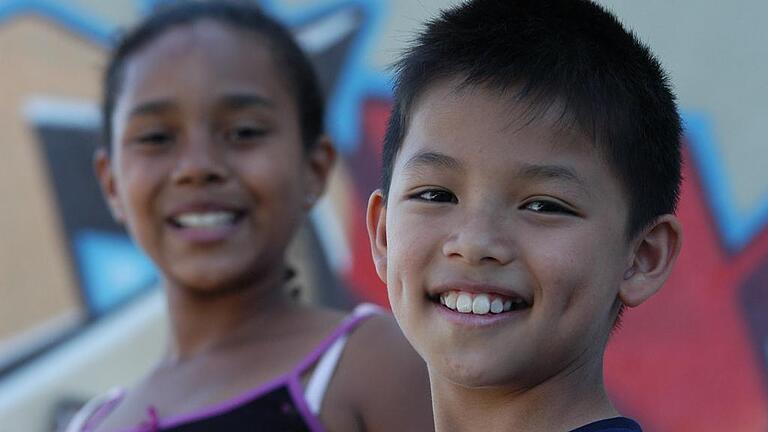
<point>546,206</point>
<point>436,195</point>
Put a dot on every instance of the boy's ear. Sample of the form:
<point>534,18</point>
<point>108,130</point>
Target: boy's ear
<point>376,220</point>
<point>321,158</point>
<point>104,174</point>
<point>654,255</point>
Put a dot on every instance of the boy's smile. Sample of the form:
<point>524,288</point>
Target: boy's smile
<point>502,241</point>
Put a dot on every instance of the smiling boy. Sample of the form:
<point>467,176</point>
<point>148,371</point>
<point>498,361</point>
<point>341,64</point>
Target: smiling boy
<point>531,174</point>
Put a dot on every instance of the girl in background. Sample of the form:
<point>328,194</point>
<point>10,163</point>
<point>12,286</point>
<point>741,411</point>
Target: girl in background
<point>215,153</point>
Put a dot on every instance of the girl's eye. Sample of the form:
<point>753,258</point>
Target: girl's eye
<point>245,133</point>
<point>545,206</point>
<point>154,138</point>
<point>436,195</point>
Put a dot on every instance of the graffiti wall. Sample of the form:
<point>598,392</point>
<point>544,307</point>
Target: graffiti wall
<point>695,357</point>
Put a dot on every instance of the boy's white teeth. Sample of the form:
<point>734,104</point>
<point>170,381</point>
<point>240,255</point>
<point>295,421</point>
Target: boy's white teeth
<point>205,220</point>
<point>481,304</point>
<point>450,299</point>
<point>497,305</point>
<point>464,303</point>
<point>478,304</point>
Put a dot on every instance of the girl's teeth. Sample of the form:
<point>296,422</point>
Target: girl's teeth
<point>478,304</point>
<point>205,220</point>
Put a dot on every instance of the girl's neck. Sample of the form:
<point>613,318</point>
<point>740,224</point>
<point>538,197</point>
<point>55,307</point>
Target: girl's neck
<point>206,322</point>
<point>559,404</point>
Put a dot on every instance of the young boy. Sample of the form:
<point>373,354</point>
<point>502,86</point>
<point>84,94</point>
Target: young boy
<point>531,173</point>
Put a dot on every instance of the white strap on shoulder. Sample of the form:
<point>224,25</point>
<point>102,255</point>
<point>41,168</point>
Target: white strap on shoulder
<point>91,408</point>
<point>322,374</point>
<point>326,366</point>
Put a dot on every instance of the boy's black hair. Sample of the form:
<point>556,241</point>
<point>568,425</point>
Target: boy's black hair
<point>566,53</point>
<point>240,14</point>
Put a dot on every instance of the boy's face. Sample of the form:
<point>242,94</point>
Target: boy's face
<point>513,220</point>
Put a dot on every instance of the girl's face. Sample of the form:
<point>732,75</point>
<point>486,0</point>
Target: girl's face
<point>207,167</point>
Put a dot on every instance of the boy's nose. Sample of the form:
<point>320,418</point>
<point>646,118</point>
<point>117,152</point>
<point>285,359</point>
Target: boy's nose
<point>480,239</point>
<point>199,162</point>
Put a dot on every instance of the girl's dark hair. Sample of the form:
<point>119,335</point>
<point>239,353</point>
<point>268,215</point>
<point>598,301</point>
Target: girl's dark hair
<point>241,14</point>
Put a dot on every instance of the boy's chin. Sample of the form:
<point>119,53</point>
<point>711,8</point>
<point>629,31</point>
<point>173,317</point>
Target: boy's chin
<point>470,373</point>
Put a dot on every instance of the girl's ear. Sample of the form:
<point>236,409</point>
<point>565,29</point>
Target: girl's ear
<point>104,174</point>
<point>376,220</point>
<point>656,250</point>
<point>321,158</point>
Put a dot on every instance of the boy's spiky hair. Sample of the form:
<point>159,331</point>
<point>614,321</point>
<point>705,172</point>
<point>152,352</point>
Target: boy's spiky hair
<point>566,53</point>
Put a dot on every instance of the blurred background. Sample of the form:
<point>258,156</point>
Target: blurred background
<point>80,310</point>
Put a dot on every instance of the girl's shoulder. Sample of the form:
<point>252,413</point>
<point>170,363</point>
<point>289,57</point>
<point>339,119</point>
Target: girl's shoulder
<point>383,376</point>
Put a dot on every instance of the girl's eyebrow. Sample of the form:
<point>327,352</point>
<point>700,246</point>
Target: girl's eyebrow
<point>245,100</point>
<point>151,107</point>
<point>230,101</point>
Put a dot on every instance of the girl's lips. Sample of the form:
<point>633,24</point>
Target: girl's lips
<point>206,234</point>
<point>203,207</point>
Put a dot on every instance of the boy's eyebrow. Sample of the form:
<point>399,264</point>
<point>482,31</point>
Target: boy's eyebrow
<point>427,159</point>
<point>551,172</point>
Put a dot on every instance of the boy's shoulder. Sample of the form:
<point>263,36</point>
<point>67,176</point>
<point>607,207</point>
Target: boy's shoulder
<point>616,424</point>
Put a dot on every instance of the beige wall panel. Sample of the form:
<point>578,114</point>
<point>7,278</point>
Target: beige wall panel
<point>36,58</point>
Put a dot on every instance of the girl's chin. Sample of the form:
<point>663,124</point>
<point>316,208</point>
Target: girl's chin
<point>206,285</point>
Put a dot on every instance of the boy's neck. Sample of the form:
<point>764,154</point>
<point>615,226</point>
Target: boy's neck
<point>201,323</point>
<point>559,404</point>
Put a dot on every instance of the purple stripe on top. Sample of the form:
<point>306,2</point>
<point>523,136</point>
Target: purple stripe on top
<point>225,406</point>
<point>297,394</point>
<point>292,380</point>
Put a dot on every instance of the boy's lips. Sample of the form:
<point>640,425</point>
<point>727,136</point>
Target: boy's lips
<point>474,288</point>
<point>471,320</point>
<point>477,300</point>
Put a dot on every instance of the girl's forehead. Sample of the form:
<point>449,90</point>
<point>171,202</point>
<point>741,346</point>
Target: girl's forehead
<point>208,41</point>
<point>205,56</point>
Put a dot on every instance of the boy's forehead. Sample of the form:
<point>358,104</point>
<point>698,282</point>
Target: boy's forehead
<point>445,103</point>
<point>452,125</point>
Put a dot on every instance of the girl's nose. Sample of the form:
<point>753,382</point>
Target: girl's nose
<point>199,162</point>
